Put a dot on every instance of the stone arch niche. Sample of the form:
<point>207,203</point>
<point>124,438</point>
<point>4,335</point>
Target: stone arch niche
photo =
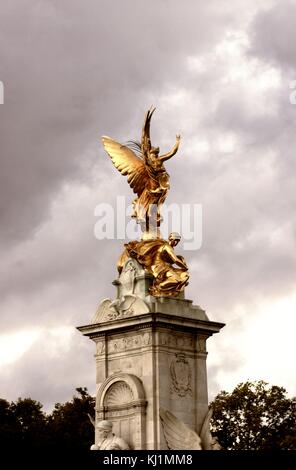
<point>121,399</point>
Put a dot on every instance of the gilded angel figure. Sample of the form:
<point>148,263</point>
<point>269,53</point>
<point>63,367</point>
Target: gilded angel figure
<point>158,258</point>
<point>145,170</point>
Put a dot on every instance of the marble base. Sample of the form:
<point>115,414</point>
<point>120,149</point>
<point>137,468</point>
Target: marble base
<point>150,355</point>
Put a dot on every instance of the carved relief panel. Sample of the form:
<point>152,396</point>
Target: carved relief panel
<point>181,376</point>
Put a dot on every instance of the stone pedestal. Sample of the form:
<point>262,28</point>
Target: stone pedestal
<point>150,354</point>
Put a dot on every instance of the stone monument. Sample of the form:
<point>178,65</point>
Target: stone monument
<point>150,340</point>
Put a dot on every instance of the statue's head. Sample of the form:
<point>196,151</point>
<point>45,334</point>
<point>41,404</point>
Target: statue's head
<point>104,428</point>
<point>154,151</point>
<point>174,238</point>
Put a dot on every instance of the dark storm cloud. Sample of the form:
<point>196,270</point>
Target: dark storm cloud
<point>274,35</point>
<point>73,71</point>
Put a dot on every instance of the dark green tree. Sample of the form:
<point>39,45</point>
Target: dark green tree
<point>69,426</point>
<point>30,424</point>
<point>255,416</point>
<point>10,429</point>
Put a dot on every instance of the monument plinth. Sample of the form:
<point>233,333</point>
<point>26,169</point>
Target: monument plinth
<point>150,355</point>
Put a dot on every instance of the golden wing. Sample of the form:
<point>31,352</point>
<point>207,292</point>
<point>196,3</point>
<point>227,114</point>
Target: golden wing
<point>128,163</point>
<point>177,434</point>
<point>146,142</point>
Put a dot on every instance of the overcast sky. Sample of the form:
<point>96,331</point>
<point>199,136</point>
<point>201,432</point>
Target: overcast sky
<point>219,74</point>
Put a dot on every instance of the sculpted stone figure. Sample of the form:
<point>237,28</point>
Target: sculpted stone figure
<point>180,437</point>
<point>107,439</point>
<point>158,258</point>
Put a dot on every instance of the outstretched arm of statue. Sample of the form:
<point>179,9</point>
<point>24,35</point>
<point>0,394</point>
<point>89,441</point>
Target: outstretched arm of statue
<point>174,150</point>
<point>182,259</point>
<point>181,263</point>
<point>174,258</point>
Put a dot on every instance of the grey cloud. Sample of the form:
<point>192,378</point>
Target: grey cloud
<point>47,378</point>
<point>273,35</point>
<point>73,72</point>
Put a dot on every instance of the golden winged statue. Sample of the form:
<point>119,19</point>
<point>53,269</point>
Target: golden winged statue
<point>145,170</point>
<point>158,258</point>
<point>147,177</point>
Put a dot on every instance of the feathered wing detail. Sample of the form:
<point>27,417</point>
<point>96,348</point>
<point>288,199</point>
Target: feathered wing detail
<point>128,163</point>
<point>92,420</point>
<point>177,434</point>
<point>146,142</point>
<point>205,433</point>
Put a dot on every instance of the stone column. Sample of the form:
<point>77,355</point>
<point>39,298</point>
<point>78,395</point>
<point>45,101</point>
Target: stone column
<point>150,354</point>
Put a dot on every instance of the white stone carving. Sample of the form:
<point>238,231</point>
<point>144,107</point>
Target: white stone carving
<point>128,306</point>
<point>121,397</point>
<point>177,434</point>
<point>127,278</point>
<point>175,340</point>
<point>130,298</point>
<point>181,375</point>
<point>180,437</point>
<point>130,342</point>
<point>118,394</point>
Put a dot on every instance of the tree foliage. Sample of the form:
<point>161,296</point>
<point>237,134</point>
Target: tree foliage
<point>69,424</point>
<point>25,426</point>
<point>9,427</point>
<point>255,416</point>
<point>30,422</point>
